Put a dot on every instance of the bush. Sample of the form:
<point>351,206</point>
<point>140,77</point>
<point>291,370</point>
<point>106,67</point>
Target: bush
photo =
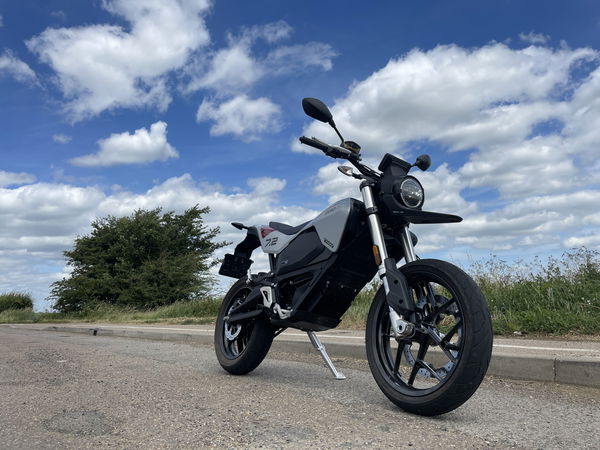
<point>142,261</point>
<point>15,300</point>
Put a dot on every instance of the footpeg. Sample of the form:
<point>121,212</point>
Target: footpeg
<point>316,342</point>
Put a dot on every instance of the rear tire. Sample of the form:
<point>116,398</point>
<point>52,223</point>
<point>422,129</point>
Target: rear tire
<point>452,306</point>
<point>240,348</point>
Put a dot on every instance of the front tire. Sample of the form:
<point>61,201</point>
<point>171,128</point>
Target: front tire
<point>240,348</point>
<point>452,315</point>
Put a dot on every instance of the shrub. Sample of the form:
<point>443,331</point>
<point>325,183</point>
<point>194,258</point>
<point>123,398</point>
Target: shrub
<point>15,300</point>
<point>141,261</point>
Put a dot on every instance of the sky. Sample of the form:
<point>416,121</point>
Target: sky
<point>108,106</point>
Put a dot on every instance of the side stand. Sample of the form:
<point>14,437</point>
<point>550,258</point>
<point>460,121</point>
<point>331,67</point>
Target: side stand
<point>316,342</point>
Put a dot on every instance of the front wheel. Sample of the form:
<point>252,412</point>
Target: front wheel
<point>241,347</point>
<point>442,364</point>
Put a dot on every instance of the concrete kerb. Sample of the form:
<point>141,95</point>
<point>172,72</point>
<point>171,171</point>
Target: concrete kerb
<point>582,371</point>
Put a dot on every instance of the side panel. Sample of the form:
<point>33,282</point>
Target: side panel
<point>302,251</point>
<point>331,223</point>
<point>273,241</point>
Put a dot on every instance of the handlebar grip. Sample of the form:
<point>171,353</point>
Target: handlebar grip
<point>314,143</point>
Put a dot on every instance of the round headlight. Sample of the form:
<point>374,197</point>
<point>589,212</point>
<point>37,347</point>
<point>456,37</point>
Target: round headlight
<point>411,192</point>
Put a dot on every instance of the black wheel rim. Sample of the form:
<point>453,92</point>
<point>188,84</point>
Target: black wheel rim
<point>426,361</point>
<point>235,337</point>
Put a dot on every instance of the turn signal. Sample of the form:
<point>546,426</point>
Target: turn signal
<point>376,255</point>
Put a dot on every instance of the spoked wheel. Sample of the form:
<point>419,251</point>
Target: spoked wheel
<point>441,365</point>
<point>241,347</point>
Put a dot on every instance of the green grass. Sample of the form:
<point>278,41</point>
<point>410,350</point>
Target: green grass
<point>556,296</point>
<point>192,312</point>
<point>356,316</point>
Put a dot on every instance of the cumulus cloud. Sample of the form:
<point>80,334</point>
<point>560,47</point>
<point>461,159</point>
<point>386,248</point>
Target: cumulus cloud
<point>141,147</point>
<point>105,66</point>
<point>231,72</point>
<point>525,122</point>
<point>15,68</point>
<point>237,67</point>
<point>12,178</point>
<point>41,220</point>
<point>243,117</point>
<point>61,138</point>
<point>456,96</point>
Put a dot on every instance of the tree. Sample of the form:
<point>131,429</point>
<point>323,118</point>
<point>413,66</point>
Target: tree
<point>144,260</point>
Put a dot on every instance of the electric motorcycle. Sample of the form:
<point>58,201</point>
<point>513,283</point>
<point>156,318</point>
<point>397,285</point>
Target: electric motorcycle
<point>428,331</point>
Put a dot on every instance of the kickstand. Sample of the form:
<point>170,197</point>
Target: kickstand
<point>316,342</point>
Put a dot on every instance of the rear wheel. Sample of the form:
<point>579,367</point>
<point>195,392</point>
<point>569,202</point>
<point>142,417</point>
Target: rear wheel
<point>241,347</point>
<point>438,368</point>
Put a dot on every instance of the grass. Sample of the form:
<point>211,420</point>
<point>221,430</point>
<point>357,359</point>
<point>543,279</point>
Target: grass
<point>192,312</point>
<point>356,316</point>
<point>556,296</point>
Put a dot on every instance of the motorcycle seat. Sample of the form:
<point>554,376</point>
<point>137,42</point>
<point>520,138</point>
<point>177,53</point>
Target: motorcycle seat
<point>287,229</point>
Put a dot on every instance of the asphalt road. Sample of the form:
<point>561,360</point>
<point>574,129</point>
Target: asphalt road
<point>77,391</point>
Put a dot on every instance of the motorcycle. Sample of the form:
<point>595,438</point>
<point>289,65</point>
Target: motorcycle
<point>428,331</point>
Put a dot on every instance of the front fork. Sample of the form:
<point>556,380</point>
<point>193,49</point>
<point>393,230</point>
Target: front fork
<point>397,294</point>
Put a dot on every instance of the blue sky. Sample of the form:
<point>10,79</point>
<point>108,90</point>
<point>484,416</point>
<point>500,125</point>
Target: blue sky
<point>108,106</point>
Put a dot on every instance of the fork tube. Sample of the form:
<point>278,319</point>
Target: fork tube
<point>376,231</point>
<point>407,245</point>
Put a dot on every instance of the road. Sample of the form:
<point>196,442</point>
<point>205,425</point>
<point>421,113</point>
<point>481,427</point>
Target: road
<point>76,391</point>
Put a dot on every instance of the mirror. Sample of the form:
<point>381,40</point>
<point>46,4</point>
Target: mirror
<point>423,162</point>
<point>346,170</point>
<point>317,110</point>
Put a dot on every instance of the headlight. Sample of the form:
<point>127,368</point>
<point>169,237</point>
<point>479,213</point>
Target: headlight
<point>410,192</point>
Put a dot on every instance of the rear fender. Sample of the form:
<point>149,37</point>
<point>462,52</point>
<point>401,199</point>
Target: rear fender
<point>237,265</point>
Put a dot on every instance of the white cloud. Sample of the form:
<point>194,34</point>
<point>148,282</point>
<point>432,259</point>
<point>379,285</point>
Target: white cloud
<point>14,67</point>
<point>231,73</point>
<point>12,178</point>
<point>534,38</point>
<point>271,32</point>
<point>231,69</point>
<point>590,241</point>
<point>1,21</point>
<point>61,138</point>
<point>294,59</point>
<point>241,116</point>
<point>142,146</point>
<point>236,67</point>
<point>534,188</point>
<point>455,96</point>
<point>102,67</point>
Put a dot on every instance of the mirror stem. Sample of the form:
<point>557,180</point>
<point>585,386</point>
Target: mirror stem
<point>332,123</point>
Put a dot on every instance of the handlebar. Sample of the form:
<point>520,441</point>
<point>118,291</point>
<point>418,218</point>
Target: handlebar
<point>314,143</point>
<point>339,152</point>
<point>329,150</point>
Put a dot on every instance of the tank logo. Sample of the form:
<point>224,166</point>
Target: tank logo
<point>270,242</point>
<point>328,242</point>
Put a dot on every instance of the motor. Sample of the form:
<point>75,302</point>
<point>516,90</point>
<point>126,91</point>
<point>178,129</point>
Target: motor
<point>428,332</point>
